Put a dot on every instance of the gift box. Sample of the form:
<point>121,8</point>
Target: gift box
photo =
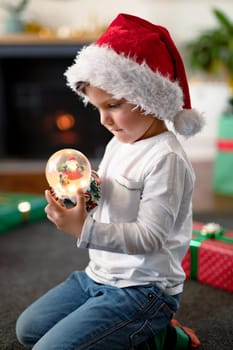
<point>210,256</point>
<point>223,164</point>
<point>19,208</point>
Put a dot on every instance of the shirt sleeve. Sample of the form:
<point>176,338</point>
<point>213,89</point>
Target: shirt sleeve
<point>167,190</point>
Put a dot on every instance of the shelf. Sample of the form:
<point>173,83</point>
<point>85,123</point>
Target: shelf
<point>17,46</point>
<point>28,39</point>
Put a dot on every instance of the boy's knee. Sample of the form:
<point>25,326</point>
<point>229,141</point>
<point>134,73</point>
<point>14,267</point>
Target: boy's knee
<point>24,330</point>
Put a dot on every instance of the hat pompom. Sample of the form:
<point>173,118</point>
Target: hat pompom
<point>188,122</point>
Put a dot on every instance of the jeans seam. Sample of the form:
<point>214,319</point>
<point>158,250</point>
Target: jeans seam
<point>104,334</point>
<point>119,326</point>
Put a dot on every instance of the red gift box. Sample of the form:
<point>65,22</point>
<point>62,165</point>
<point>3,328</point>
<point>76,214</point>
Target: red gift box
<point>210,257</point>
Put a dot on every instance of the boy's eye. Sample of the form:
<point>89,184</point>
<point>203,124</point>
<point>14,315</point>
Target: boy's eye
<point>114,105</point>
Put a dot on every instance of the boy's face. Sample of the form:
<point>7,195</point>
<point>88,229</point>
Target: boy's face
<point>126,123</point>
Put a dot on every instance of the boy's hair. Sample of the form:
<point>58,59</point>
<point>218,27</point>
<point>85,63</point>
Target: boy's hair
<point>138,61</point>
<point>81,86</point>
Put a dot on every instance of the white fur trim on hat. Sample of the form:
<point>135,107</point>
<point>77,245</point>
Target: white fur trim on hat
<point>124,78</point>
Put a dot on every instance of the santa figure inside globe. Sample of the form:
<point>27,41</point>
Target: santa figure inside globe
<point>70,170</point>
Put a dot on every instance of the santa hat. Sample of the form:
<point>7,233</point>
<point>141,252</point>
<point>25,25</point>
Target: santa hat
<point>137,60</point>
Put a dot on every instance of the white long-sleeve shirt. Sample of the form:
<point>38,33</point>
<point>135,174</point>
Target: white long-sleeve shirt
<point>142,227</point>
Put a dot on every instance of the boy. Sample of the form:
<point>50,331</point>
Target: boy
<point>141,230</point>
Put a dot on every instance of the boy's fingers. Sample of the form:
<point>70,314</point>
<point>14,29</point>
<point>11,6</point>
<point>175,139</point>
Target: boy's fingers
<point>52,199</point>
<point>81,202</point>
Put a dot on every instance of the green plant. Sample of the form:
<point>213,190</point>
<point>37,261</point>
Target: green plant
<point>15,9</point>
<point>212,51</point>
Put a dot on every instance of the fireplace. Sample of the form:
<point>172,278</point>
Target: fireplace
<point>39,113</point>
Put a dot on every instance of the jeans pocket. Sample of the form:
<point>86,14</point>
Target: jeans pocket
<point>154,318</point>
<point>140,335</point>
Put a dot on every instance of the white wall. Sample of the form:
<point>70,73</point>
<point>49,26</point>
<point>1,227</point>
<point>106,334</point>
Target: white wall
<point>183,18</point>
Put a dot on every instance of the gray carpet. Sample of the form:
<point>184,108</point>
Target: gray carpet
<point>36,256</point>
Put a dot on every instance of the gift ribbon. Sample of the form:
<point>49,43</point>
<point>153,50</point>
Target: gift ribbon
<point>196,242</point>
<point>225,145</point>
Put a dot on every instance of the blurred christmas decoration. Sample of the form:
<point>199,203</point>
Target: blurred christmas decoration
<point>63,32</point>
<point>212,52</point>
<point>17,9</point>
<point>14,22</point>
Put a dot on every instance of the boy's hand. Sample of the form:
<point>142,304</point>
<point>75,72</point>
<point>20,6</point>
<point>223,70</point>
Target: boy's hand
<point>68,220</point>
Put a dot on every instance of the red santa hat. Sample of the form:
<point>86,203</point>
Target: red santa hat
<point>137,60</point>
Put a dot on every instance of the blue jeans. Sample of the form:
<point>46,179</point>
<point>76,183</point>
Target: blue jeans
<point>81,314</point>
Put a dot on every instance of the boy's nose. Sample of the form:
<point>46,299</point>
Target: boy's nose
<point>105,118</point>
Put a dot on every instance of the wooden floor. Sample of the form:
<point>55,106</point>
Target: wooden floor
<point>204,199</point>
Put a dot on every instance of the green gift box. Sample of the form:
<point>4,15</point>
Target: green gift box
<point>19,208</point>
<point>223,165</point>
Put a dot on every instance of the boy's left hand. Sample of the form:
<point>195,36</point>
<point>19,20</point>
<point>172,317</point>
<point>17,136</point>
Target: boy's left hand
<point>68,220</point>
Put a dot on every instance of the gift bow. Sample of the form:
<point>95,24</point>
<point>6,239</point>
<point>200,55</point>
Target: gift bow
<point>208,231</point>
